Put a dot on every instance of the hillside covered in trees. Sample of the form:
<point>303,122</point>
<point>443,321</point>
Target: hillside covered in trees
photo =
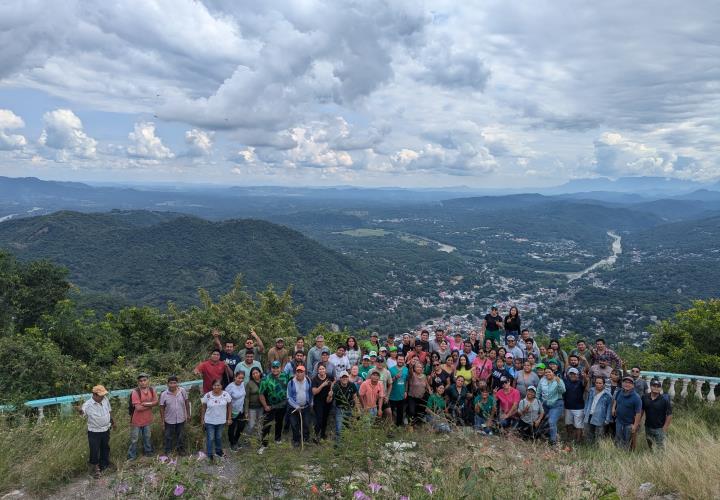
<point>124,258</point>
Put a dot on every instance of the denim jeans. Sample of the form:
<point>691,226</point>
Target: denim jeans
<point>655,436</point>
<point>174,432</point>
<point>593,432</point>
<point>623,434</point>
<point>554,413</point>
<point>255,416</point>
<point>437,423</point>
<point>213,435</point>
<point>342,418</point>
<point>508,422</point>
<point>479,423</point>
<point>135,433</point>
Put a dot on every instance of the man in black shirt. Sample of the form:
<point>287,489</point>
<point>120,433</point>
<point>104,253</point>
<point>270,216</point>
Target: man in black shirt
<point>657,409</point>
<point>227,356</point>
<point>345,395</point>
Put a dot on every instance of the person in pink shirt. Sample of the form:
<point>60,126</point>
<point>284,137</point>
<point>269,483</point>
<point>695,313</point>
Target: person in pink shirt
<point>508,399</point>
<point>372,394</point>
<point>455,342</point>
<point>482,366</point>
<point>142,400</point>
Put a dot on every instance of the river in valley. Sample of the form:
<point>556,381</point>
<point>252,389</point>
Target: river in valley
<point>615,248</point>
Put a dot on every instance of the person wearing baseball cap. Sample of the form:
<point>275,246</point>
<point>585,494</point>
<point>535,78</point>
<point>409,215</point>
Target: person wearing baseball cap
<point>365,366</point>
<point>574,400</point>
<point>657,409</point>
<point>627,410</point>
<point>531,414</point>
<point>373,344</point>
<point>273,398</point>
<point>386,381</point>
<point>278,352</point>
<point>344,394</point>
<point>142,400</point>
<point>98,413</point>
<point>299,404</point>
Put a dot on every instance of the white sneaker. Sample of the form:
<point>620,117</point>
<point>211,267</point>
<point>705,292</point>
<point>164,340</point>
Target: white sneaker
<point>261,450</point>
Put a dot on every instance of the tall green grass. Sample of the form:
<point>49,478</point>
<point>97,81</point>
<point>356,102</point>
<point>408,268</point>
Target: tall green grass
<point>41,458</point>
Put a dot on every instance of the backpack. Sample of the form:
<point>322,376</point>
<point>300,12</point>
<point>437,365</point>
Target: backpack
<point>131,406</point>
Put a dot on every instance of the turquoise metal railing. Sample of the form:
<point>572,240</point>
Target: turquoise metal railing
<point>65,402</point>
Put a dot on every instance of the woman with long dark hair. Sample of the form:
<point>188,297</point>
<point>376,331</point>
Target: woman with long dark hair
<point>511,324</point>
<point>417,393</point>
<point>352,351</point>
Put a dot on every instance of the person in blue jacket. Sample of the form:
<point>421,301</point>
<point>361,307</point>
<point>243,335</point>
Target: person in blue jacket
<point>299,403</point>
<point>598,410</point>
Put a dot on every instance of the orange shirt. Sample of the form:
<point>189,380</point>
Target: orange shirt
<point>370,394</point>
<point>142,415</point>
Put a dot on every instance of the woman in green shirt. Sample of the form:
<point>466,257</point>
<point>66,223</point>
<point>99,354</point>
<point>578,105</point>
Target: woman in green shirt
<point>253,408</point>
<point>437,410</point>
<point>484,411</point>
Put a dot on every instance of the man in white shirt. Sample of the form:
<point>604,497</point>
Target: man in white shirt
<point>299,400</point>
<point>340,360</point>
<point>97,411</point>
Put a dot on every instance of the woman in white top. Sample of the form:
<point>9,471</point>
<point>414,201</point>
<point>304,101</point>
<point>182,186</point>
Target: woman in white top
<point>216,412</point>
<point>236,389</point>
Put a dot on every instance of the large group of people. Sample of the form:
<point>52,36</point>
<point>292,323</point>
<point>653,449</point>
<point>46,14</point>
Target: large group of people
<point>498,380</point>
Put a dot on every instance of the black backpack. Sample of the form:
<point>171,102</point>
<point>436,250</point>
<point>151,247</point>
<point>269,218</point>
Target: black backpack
<point>131,406</point>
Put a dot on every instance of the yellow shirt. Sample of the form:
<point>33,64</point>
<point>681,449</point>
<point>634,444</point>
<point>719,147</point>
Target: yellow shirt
<point>466,373</point>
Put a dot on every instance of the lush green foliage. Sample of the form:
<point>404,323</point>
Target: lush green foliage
<point>149,258</point>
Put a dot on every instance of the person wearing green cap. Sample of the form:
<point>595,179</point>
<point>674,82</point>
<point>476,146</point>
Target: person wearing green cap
<point>273,398</point>
<point>392,357</point>
<point>365,367</point>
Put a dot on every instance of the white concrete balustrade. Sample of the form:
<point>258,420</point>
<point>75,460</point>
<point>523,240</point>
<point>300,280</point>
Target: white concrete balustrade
<point>703,388</point>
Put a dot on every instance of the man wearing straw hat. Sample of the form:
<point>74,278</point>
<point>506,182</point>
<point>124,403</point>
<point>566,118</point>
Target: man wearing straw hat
<point>99,421</point>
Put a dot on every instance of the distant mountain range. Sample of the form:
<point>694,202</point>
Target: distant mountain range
<point>140,257</point>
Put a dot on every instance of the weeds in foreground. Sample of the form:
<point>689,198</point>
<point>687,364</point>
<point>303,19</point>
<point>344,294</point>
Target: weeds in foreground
<point>372,461</point>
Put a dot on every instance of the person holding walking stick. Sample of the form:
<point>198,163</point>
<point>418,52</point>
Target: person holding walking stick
<point>299,400</point>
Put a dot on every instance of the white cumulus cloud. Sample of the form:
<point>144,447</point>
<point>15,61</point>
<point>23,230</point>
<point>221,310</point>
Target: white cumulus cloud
<point>64,133</point>
<point>10,121</point>
<point>146,145</point>
<point>199,142</point>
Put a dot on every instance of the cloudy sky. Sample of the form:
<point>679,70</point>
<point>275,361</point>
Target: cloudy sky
<point>364,92</point>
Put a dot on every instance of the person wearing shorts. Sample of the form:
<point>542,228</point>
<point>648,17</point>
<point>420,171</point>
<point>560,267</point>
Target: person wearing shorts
<point>574,399</point>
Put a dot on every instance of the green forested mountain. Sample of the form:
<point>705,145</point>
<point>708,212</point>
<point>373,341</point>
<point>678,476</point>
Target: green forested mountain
<point>139,257</point>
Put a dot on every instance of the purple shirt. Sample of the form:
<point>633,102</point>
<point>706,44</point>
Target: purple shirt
<point>174,405</point>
